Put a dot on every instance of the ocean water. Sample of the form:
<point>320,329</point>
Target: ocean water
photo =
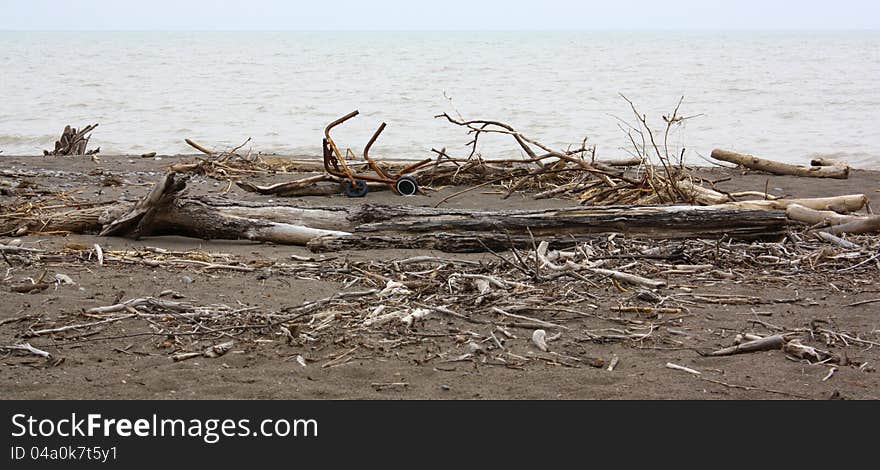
<point>782,95</point>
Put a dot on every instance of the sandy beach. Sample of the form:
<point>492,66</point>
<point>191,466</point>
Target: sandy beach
<point>432,358</point>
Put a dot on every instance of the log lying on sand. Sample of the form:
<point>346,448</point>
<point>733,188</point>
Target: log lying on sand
<point>778,168</point>
<point>476,231</point>
<point>647,221</point>
<point>838,223</point>
<point>164,212</point>
<point>702,195</point>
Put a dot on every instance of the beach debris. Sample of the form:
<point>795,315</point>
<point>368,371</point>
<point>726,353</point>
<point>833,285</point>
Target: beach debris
<point>819,168</point>
<point>833,222</point>
<point>99,254</point>
<point>673,366</point>
<point>300,360</point>
<point>613,363</point>
<point>73,142</point>
<point>214,351</point>
<point>539,339</point>
<point>26,347</point>
<point>801,351</point>
<point>64,279</point>
<point>379,386</point>
<point>355,184</point>
<point>756,345</point>
<point>415,315</point>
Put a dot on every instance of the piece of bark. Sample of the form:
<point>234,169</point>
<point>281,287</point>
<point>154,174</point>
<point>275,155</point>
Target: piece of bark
<point>779,168</point>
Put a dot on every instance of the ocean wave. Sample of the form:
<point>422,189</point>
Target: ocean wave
<point>19,139</point>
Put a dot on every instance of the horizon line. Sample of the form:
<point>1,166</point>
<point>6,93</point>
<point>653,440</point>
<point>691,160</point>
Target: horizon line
<point>524,30</point>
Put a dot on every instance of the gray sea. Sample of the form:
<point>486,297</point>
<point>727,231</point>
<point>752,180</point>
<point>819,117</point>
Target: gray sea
<point>782,95</point>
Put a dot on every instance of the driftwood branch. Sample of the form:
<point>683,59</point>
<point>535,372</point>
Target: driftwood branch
<point>778,168</point>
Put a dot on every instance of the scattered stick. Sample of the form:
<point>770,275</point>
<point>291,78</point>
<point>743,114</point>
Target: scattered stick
<point>29,349</point>
<point>672,366</point>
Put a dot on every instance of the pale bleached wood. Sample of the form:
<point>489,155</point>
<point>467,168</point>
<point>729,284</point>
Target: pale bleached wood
<point>779,168</point>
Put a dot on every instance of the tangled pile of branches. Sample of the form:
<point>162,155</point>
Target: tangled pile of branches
<point>652,174</point>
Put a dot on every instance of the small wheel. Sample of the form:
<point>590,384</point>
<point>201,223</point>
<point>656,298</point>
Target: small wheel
<point>358,189</point>
<point>406,186</point>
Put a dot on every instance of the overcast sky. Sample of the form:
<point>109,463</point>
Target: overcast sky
<point>408,15</point>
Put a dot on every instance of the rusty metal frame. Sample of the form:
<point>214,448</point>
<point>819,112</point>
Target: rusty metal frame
<point>334,162</point>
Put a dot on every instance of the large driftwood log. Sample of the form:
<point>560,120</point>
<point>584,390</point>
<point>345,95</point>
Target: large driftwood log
<point>159,214</point>
<point>649,222</point>
<point>164,212</point>
<point>778,168</point>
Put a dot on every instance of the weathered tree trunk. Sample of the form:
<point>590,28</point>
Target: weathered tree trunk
<point>778,168</point>
<point>649,222</point>
<point>162,212</point>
